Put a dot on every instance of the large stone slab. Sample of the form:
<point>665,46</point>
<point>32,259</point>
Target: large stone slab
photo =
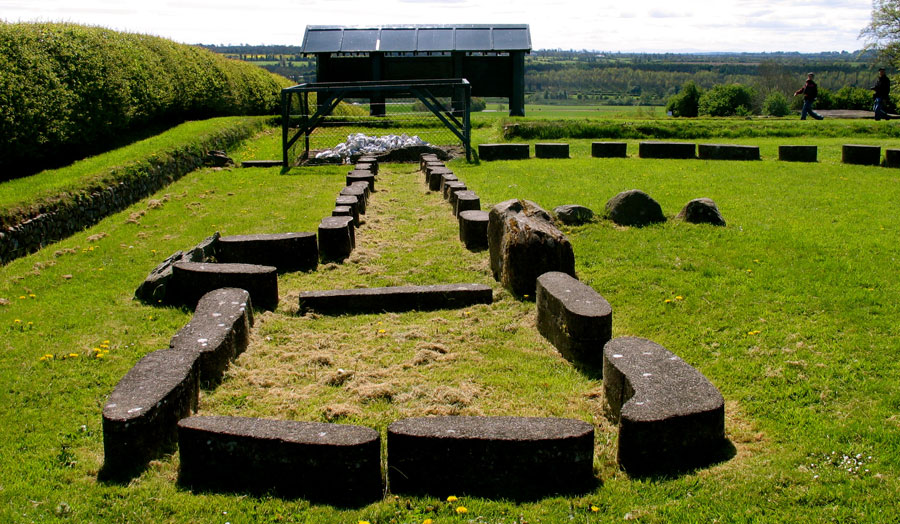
<point>332,463</point>
<point>609,149</point>
<point>395,299</point>
<point>634,208</point>
<point>794,153</point>
<point>473,225</point>
<point>141,414</point>
<point>510,457</point>
<point>218,332</point>
<point>670,416</point>
<point>524,244</point>
<point>195,279</point>
<point>727,152</point>
<point>336,237</point>
<point>285,251</point>
<point>503,151</point>
<point>155,287</point>
<point>861,154</point>
<point>551,150</point>
<point>667,150</point>
<point>361,176</point>
<point>573,317</point>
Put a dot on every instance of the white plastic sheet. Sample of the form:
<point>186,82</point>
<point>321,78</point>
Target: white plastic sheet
<point>359,143</point>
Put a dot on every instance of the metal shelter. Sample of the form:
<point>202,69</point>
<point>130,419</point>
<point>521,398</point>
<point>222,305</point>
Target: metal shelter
<point>491,57</point>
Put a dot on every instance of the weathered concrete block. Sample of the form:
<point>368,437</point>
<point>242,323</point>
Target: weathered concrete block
<point>336,237</point>
<point>798,153</point>
<point>609,149</point>
<point>701,211</point>
<point>670,416</point>
<point>727,152</point>
<point>525,244</point>
<point>332,463</point>
<point>362,176</point>
<point>427,157</point>
<point>573,214</point>
<point>192,280</point>
<point>141,414</point>
<point>285,251</point>
<point>667,150</point>
<point>395,299</point>
<point>453,186</point>
<point>892,158</point>
<point>364,186</point>
<point>473,226</point>
<point>503,151</point>
<point>511,457</point>
<point>218,332</point>
<point>353,203</point>
<point>573,317</point>
<point>366,166</point>
<point>433,176</point>
<point>342,211</point>
<point>447,177</point>
<point>547,150</point>
<point>465,201</point>
<point>262,163</point>
<point>357,190</point>
<point>156,286</point>
<point>860,155</point>
<point>634,208</point>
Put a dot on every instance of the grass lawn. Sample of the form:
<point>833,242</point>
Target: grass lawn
<point>790,310</point>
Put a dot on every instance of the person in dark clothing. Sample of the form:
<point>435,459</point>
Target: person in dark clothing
<point>809,91</point>
<point>882,90</point>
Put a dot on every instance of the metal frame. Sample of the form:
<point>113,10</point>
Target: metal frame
<point>330,94</point>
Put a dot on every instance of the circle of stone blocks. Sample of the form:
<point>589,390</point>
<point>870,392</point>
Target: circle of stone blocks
<point>670,416</point>
<point>447,177</point>
<point>892,158</point>
<point>450,187</point>
<point>334,463</point>
<point>434,175</point>
<point>634,208</point>
<point>727,152</point>
<point>609,149</point>
<point>353,203</point>
<point>573,317</point>
<point>336,237</point>
<point>860,155</point>
<point>510,457</point>
<point>362,176</point>
<point>473,225</point>
<point>798,153</point>
<point>667,150</point>
<point>356,190</point>
<point>285,251</point>
<point>503,151</point>
<point>466,201</point>
<point>141,415</point>
<point>548,150</point>
<point>395,299</point>
<point>194,279</point>
<point>218,332</point>
<point>701,211</point>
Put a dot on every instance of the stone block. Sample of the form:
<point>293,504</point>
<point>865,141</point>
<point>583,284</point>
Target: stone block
<point>573,317</point>
<point>353,203</point>
<point>518,458</point>
<point>489,152</point>
<point>547,150</point>
<point>466,201</point>
<point>667,150</point>
<point>262,163</point>
<point>433,177</point>
<point>446,177</point>
<point>701,211</point>
<point>473,225</point>
<point>155,288</point>
<point>324,463</point>
<point>798,153</point>
<point>727,152</point>
<point>141,415</point>
<point>336,238</point>
<point>357,190</point>
<point>634,208</point>
<point>670,416</point>
<point>609,149</point>
<point>395,299</point>
<point>342,211</point>
<point>361,176</point>
<point>452,187</point>
<point>860,155</point>
<point>218,332</point>
<point>366,166</point>
<point>892,158</point>
<point>285,251</point>
<point>192,280</point>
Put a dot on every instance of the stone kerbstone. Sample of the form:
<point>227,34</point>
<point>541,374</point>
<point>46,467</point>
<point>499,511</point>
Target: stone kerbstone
<point>510,457</point>
<point>218,332</point>
<point>548,150</point>
<point>573,317</point>
<point>466,201</point>
<point>453,186</point>
<point>336,237</point>
<point>634,208</point>
<point>141,415</point>
<point>727,152</point>
<point>333,463</point>
<point>473,226</point>
<point>525,244</point>
<point>155,288</point>
<point>573,214</point>
<point>361,176</point>
<point>609,149</point>
<point>860,155</point>
<point>194,279</point>
<point>701,211</point>
<point>503,151</point>
<point>791,153</point>
<point>353,203</point>
<point>359,192</point>
<point>285,251</point>
<point>667,150</point>
<point>395,299</point>
<point>670,416</point>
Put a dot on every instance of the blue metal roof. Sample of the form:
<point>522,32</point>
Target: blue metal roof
<point>417,38</point>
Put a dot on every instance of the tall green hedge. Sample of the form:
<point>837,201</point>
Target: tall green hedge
<point>65,88</point>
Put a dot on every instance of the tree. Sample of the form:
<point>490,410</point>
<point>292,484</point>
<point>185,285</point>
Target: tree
<point>883,32</point>
<point>727,100</point>
<point>685,103</point>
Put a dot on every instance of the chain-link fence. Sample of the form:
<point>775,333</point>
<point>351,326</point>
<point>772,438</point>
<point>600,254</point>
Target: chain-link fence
<point>319,118</point>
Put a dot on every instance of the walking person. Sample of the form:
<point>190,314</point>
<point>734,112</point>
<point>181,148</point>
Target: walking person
<point>809,91</point>
<point>882,90</point>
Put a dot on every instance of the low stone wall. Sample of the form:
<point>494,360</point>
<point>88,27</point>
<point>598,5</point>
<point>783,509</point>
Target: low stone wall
<point>573,317</point>
<point>667,150</point>
<point>551,150</point>
<point>860,155</point>
<point>490,152</point>
<point>727,152</point>
<point>395,299</point>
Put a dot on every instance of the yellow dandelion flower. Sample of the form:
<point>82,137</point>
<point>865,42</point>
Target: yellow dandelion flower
<point>749,271</point>
<point>17,321</point>
<point>106,341</point>
<point>427,521</point>
<point>22,297</point>
<point>43,359</point>
<point>73,355</point>
<point>668,300</point>
<point>679,297</point>
<point>452,498</point>
<point>32,295</point>
<point>381,331</point>
<point>461,510</point>
<point>48,355</point>
<point>363,522</point>
<point>595,509</point>
<point>104,346</point>
<point>99,355</point>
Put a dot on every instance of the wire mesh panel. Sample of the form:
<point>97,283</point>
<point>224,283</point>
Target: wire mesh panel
<point>326,120</point>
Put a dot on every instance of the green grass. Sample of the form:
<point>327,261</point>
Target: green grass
<point>802,345</point>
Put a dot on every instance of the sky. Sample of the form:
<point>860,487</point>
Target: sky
<point>602,25</point>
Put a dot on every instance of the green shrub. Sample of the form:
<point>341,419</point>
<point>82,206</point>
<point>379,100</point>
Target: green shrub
<point>849,97</point>
<point>65,89</point>
<point>686,102</point>
<point>727,100</point>
<point>823,101</point>
<point>776,104</point>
